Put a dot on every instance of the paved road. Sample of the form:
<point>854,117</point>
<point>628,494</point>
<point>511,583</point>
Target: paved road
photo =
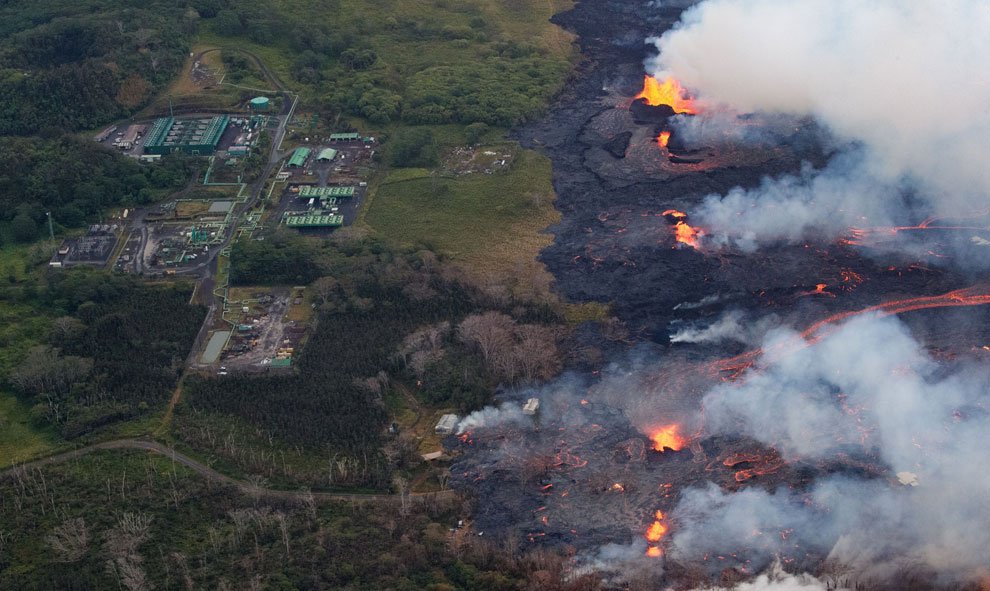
<point>209,473</point>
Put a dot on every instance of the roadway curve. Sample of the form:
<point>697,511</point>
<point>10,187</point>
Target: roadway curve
<point>245,487</point>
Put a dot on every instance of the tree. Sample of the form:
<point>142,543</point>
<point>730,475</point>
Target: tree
<point>474,132</point>
<point>23,228</point>
<point>415,148</point>
<point>70,540</point>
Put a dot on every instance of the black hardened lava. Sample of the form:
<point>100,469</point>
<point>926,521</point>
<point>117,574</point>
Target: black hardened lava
<point>612,246</point>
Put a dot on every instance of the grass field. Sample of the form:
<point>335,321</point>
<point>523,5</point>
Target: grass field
<point>490,223</point>
<point>19,441</point>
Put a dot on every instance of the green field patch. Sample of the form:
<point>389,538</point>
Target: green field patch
<point>19,441</point>
<point>492,223</point>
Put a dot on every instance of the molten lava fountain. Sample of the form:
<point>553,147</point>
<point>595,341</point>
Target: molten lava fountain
<point>668,92</point>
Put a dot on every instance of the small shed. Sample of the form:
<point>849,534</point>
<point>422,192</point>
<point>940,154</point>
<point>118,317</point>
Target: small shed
<point>446,425</point>
<point>532,405</point>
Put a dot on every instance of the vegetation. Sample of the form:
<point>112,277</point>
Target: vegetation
<point>414,62</point>
<point>113,351</point>
<point>65,64</point>
<point>491,223</point>
<point>170,527</point>
<point>385,317</point>
<point>75,180</point>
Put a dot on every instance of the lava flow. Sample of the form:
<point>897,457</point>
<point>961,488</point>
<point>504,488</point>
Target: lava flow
<point>669,92</point>
<point>684,233</point>
<point>667,437</point>
<point>655,533</point>
<point>978,295</point>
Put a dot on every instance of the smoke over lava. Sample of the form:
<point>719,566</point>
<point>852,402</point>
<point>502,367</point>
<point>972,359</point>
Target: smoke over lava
<point>893,82</point>
<point>801,379</point>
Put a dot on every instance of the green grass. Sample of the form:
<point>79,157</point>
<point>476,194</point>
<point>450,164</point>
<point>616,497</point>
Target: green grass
<point>491,223</point>
<point>19,441</point>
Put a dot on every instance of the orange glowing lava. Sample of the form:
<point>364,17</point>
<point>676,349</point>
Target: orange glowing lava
<point>663,139</point>
<point>655,533</point>
<point>669,92</point>
<point>978,295</point>
<point>667,437</point>
<point>683,233</point>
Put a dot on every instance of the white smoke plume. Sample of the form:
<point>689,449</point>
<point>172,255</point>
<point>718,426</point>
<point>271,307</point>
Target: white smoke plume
<point>901,79</point>
<point>815,204</point>
<point>731,326</point>
<point>488,417</point>
<point>776,579</point>
<point>868,386</point>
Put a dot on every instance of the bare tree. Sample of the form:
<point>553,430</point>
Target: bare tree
<point>424,347</point>
<point>70,540</point>
<point>326,288</point>
<point>121,544</point>
<point>512,351</point>
<point>66,329</point>
<point>490,333</point>
<point>283,528</point>
<point>45,370</point>
<point>403,485</point>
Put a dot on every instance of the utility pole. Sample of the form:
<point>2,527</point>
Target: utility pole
<point>51,229</point>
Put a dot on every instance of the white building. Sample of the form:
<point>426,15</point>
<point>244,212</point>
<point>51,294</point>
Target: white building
<point>446,425</point>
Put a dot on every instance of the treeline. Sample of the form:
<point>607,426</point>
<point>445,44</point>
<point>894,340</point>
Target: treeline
<point>71,65</point>
<point>75,180</point>
<point>282,258</point>
<point>116,351</point>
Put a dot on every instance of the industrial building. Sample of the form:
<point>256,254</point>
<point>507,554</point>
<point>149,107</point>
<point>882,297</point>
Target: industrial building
<point>314,220</point>
<point>344,137</point>
<point>191,136</point>
<point>446,425</point>
<point>327,154</point>
<point>299,157</point>
<point>326,192</point>
<point>130,137</point>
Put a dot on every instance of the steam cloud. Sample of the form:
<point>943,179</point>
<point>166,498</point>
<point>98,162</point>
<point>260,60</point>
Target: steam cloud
<point>897,79</point>
<point>778,580</point>
<point>731,326</point>
<point>869,384</point>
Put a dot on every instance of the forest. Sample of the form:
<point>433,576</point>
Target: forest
<point>171,530</point>
<point>68,65</point>
<point>75,180</point>
<point>114,352</point>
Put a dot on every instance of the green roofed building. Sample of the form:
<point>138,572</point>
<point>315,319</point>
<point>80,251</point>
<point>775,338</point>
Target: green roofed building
<point>315,220</point>
<point>327,154</point>
<point>299,157</point>
<point>198,137</point>
<point>325,192</point>
<point>344,137</point>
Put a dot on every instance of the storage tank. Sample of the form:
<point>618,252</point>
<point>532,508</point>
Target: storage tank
<point>260,103</point>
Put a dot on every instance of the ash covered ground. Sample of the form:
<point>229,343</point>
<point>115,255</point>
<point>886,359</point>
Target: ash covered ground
<point>708,327</point>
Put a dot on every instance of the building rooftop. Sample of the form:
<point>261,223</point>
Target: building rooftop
<point>299,157</point>
<point>316,220</point>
